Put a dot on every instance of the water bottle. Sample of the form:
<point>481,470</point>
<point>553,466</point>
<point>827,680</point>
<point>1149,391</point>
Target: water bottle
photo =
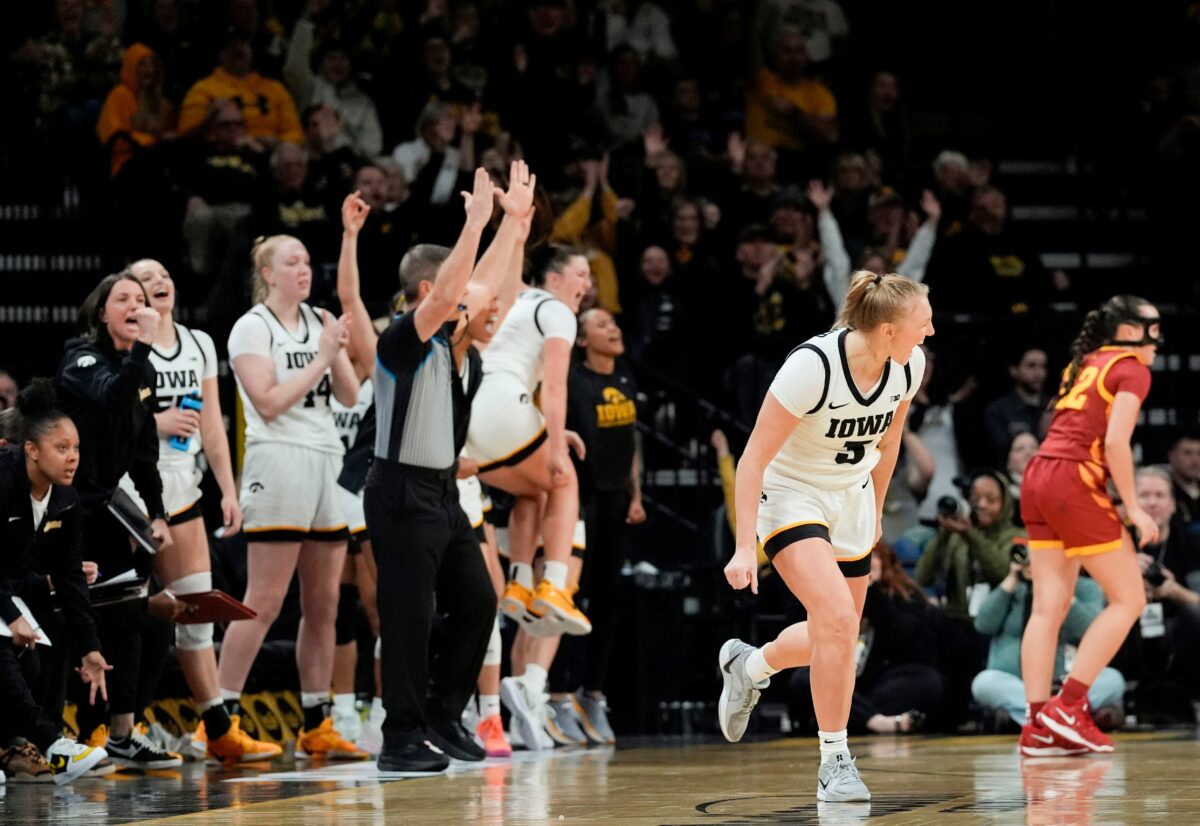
<point>191,401</point>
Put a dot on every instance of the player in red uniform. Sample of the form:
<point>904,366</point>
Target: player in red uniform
<point>1072,521</point>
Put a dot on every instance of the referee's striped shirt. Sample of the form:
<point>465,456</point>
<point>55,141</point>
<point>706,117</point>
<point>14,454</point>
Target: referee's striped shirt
<point>414,400</point>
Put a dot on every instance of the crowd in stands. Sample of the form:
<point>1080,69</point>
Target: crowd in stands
<point>723,167</point>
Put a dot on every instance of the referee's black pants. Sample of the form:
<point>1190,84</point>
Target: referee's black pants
<point>428,560</point>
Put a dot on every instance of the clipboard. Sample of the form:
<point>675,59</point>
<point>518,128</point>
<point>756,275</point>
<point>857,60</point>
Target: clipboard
<point>213,606</point>
<point>131,518</point>
<point>5,631</point>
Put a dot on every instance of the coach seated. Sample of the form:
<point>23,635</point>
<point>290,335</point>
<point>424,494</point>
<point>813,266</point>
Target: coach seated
<point>967,557</point>
<point>999,688</point>
<point>1163,650</point>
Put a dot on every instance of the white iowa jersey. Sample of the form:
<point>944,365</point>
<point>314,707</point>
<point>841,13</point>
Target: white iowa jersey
<point>517,346</point>
<point>181,370</point>
<point>348,419</point>
<point>833,447</point>
<point>309,422</point>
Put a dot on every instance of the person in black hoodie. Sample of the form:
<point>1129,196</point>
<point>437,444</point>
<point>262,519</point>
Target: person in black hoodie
<point>39,551</point>
<point>106,384</point>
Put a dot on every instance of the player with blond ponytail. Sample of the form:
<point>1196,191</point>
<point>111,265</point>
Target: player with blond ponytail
<point>811,482</point>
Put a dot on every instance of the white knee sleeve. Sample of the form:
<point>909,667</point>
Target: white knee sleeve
<point>379,648</point>
<point>199,635</point>
<point>494,654</point>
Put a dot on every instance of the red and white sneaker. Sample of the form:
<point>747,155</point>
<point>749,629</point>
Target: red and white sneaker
<point>1074,724</point>
<point>1039,741</point>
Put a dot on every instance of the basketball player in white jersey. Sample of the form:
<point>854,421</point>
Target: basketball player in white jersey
<point>522,449</point>
<point>358,575</point>
<point>812,479</point>
<point>185,362</point>
<point>289,362</point>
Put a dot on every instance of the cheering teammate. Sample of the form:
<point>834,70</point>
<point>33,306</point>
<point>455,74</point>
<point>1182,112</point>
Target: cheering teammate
<point>288,362</point>
<point>185,363</point>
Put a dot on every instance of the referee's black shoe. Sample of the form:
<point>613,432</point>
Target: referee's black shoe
<point>451,737</point>
<point>412,756</point>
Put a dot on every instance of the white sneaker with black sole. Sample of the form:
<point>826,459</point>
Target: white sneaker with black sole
<point>528,713</point>
<point>137,752</point>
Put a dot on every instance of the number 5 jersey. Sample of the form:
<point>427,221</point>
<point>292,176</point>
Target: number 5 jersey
<point>834,446</point>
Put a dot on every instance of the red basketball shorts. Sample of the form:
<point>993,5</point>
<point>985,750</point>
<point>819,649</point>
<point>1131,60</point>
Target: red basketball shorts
<point>1065,505</point>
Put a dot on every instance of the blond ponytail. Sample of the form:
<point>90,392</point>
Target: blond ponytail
<point>877,299</point>
<point>261,256</point>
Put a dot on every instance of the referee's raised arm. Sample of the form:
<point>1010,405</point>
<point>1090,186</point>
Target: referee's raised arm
<point>455,273</point>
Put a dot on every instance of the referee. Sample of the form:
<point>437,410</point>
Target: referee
<point>424,546</point>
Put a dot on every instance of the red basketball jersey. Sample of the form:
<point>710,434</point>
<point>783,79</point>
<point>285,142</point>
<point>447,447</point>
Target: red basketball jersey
<point>1081,416</point>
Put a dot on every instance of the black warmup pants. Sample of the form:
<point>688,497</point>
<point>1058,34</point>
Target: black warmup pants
<point>120,626</point>
<point>428,560</point>
<point>20,714</point>
<point>895,690</point>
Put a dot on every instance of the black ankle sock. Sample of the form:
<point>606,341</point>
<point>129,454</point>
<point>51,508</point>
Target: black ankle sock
<point>315,715</point>
<point>232,707</point>
<point>216,722</point>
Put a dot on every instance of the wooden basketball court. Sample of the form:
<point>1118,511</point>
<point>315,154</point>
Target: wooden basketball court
<point>971,780</point>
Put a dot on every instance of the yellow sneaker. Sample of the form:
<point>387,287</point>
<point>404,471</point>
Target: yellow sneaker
<point>517,603</point>
<point>325,741</point>
<point>550,600</point>
<point>98,739</point>
<point>236,746</point>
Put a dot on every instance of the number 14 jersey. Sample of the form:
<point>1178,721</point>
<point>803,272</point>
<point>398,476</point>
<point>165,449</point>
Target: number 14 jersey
<point>834,445</point>
<point>307,423</point>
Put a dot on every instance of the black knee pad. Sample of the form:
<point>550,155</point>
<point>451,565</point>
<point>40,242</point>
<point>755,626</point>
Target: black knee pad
<point>347,614</point>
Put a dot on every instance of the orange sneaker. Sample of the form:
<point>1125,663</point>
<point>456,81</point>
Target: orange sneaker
<point>98,739</point>
<point>517,603</point>
<point>325,741</point>
<point>549,600</point>
<point>491,731</point>
<point>236,746</point>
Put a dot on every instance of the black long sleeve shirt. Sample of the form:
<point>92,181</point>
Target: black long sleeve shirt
<point>110,396</point>
<point>29,552</point>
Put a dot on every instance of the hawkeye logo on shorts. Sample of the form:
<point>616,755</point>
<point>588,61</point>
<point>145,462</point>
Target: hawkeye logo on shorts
<point>524,398</point>
<point>617,410</point>
<point>256,487</point>
<point>860,426</point>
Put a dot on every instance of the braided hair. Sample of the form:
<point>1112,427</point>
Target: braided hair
<point>1099,327</point>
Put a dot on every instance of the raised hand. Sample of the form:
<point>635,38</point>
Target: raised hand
<point>354,213</point>
<point>478,202</point>
<point>932,206</point>
<point>147,323</point>
<point>518,198</point>
<point>654,141</point>
<point>820,195</point>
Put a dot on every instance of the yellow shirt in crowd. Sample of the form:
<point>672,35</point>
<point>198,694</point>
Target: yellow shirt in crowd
<point>266,105</point>
<point>762,124</point>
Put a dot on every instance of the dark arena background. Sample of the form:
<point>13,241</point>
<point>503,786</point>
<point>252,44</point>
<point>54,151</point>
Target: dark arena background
<point>721,164</point>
